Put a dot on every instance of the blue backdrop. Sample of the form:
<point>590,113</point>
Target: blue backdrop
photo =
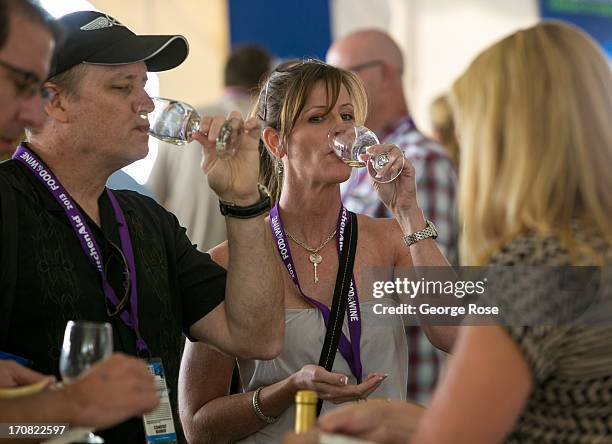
<point>593,16</point>
<point>287,28</point>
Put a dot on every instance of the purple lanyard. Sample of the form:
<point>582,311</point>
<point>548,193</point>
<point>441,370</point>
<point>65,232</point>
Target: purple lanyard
<point>86,238</point>
<point>349,349</point>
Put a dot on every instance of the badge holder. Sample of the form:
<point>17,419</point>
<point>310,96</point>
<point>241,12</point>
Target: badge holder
<point>158,424</point>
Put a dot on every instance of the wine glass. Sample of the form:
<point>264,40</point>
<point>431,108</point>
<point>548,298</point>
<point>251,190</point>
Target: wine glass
<point>175,122</point>
<point>350,143</point>
<point>85,343</point>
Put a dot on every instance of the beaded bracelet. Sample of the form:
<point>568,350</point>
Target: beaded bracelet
<point>258,412</point>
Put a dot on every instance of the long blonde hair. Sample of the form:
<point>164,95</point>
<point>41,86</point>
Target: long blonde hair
<point>534,118</point>
<point>282,98</point>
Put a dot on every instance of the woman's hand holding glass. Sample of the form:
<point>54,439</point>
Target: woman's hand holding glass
<point>400,195</point>
<point>334,387</point>
<point>353,145</point>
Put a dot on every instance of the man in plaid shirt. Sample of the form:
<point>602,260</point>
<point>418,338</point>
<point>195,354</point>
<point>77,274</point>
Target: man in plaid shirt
<point>378,61</point>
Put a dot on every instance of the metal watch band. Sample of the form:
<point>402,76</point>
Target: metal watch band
<point>265,418</point>
<point>428,232</point>
<point>230,209</point>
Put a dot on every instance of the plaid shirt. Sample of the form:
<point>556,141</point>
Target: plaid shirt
<point>436,178</point>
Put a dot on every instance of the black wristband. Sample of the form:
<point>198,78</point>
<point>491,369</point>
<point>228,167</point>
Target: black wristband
<point>230,209</point>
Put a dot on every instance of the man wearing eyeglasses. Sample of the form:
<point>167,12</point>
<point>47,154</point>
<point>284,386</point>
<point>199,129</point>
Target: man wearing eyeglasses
<point>378,62</point>
<point>86,252</point>
<point>25,51</point>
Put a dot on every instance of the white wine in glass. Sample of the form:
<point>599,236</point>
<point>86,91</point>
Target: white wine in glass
<point>85,343</point>
<point>350,143</point>
<point>176,122</point>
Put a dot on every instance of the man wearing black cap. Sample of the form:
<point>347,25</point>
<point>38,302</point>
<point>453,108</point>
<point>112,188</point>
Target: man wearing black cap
<point>24,64</point>
<point>85,252</point>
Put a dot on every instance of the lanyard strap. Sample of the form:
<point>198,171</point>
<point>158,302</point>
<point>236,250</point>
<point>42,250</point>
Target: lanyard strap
<point>85,236</point>
<point>349,349</point>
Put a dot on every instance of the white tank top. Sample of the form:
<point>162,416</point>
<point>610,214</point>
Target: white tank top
<point>383,350</point>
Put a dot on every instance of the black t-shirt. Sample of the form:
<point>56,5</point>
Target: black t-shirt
<point>54,281</point>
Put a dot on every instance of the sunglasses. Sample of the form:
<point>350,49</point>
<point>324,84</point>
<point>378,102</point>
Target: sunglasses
<point>27,84</point>
<point>120,307</point>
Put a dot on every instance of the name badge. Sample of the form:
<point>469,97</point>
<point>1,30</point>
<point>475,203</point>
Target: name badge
<point>158,424</point>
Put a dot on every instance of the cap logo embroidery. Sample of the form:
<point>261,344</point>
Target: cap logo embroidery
<point>100,23</point>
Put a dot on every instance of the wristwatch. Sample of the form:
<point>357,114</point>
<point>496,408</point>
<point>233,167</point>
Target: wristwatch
<point>230,209</point>
<point>427,232</point>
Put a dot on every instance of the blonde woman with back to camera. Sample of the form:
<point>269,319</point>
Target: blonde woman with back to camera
<point>533,113</point>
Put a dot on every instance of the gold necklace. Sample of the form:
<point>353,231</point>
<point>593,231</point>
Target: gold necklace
<point>315,258</point>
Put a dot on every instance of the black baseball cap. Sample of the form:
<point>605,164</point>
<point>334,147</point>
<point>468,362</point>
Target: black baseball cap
<point>97,38</point>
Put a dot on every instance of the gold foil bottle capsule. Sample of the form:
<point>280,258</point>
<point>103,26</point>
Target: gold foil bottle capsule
<point>305,410</point>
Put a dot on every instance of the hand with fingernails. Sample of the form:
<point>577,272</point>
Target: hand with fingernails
<point>234,178</point>
<point>334,387</point>
<point>399,195</point>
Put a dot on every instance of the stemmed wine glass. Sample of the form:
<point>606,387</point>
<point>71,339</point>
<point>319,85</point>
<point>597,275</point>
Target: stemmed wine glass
<point>176,122</point>
<point>350,144</point>
<point>85,343</point>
